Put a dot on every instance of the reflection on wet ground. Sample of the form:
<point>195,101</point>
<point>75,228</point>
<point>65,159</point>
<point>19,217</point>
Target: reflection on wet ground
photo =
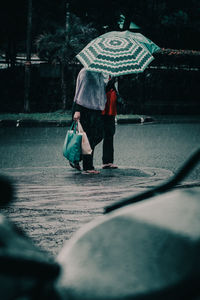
<point>51,203</point>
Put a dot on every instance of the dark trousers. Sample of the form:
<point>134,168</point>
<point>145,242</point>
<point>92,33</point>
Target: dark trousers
<point>108,139</point>
<point>92,123</point>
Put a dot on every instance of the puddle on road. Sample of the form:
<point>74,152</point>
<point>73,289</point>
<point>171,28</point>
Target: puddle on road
<point>65,175</point>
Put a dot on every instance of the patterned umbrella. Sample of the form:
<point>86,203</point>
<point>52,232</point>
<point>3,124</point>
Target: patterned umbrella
<point>118,53</point>
<point>138,37</point>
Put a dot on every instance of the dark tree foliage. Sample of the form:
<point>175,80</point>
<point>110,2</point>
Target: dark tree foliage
<point>102,13</point>
<point>48,15</point>
<point>58,47</point>
<point>13,20</point>
<point>12,27</point>
<point>169,23</point>
<point>61,47</point>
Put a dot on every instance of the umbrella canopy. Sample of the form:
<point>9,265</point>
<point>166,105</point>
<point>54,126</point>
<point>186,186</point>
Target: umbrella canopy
<point>138,37</point>
<point>117,53</point>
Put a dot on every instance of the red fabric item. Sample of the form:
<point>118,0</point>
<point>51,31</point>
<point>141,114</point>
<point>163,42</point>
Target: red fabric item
<point>111,104</point>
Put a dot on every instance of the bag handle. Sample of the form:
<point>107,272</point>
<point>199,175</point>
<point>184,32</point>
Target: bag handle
<point>80,128</point>
<point>74,126</point>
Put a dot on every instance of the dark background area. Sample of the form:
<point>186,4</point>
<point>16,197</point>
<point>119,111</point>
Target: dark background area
<point>169,85</point>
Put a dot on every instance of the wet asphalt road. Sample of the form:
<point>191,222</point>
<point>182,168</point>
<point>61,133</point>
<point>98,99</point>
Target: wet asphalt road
<point>149,145</point>
<point>53,201</point>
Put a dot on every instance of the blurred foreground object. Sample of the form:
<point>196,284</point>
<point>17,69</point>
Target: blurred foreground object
<point>147,250</point>
<point>24,269</point>
<point>7,191</point>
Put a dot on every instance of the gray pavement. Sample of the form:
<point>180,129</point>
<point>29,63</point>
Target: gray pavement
<point>52,201</point>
